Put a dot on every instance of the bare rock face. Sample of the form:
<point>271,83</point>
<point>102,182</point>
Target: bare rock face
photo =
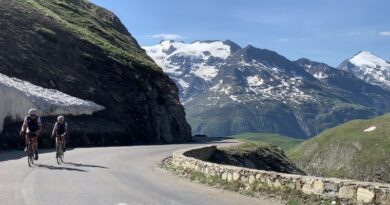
<point>267,157</point>
<point>85,51</point>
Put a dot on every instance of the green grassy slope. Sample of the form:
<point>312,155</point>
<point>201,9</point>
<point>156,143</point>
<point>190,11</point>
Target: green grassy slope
<point>95,25</point>
<point>347,151</point>
<point>286,143</point>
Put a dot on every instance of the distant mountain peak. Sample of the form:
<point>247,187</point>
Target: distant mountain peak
<point>205,41</point>
<point>369,67</point>
<point>234,47</point>
<point>169,41</point>
<point>366,58</point>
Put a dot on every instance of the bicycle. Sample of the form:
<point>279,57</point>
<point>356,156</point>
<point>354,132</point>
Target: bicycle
<point>31,137</point>
<point>60,149</point>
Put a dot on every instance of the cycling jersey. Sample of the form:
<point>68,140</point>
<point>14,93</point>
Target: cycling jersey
<point>33,125</point>
<point>60,128</point>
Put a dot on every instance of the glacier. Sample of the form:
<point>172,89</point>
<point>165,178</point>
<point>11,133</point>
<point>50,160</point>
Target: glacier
<point>17,96</point>
<point>167,55</point>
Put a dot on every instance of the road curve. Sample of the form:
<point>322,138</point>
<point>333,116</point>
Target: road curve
<point>107,176</point>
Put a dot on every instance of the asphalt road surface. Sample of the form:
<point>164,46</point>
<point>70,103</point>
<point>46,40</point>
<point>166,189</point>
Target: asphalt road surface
<point>107,176</point>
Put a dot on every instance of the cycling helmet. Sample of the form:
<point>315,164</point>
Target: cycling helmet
<point>59,118</point>
<point>32,111</point>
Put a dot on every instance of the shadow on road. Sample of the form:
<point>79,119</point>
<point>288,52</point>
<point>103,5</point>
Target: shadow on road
<point>85,165</point>
<point>51,167</point>
<point>13,155</point>
<point>17,154</point>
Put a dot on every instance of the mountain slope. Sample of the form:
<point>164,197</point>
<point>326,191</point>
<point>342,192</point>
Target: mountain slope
<point>191,66</point>
<point>368,67</point>
<point>84,51</point>
<point>258,90</point>
<point>357,90</point>
<point>359,149</point>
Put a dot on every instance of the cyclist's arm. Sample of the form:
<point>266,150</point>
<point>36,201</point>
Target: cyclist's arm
<point>24,126</point>
<point>66,130</point>
<point>53,133</point>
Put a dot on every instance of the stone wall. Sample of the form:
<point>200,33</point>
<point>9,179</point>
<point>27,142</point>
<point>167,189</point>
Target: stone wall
<point>348,191</point>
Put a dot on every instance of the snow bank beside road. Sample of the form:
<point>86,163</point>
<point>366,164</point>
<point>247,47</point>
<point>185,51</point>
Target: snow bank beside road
<point>17,96</point>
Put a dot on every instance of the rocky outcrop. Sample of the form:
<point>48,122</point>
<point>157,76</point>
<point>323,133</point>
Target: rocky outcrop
<point>341,190</point>
<point>264,157</point>
<point>84,51</point>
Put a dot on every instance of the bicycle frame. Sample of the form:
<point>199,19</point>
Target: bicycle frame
<point>31,143</point>
<point>59,149</point>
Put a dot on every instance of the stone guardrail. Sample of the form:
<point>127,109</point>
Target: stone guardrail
<point>348,191</point>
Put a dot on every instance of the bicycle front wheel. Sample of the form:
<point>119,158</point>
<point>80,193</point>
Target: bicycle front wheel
<point>30,157</point>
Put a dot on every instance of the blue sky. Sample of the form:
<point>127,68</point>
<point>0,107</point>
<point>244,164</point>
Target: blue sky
<point>323,30</point>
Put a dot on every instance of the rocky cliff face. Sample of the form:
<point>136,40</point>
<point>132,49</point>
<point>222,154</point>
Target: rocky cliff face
<point>84,51</point>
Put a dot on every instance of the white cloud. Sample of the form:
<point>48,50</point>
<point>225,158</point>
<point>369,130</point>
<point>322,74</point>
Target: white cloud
<point>384,33</point>
<point>166,36</point>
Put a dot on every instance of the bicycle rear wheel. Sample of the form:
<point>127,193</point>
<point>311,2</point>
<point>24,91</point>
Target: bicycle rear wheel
<point>62,156</point>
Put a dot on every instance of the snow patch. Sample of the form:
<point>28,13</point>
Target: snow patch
<point>205,72</point>
<point>234,98</point>
<point>183,83</point>
<point>17,96</point>
<point>320,75</point>
<point>254,81</point>
<point>370,129</point>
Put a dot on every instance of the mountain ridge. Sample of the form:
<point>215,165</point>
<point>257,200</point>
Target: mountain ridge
<point>252,89</point>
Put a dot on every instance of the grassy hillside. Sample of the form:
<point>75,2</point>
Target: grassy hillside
<point>286,143</point>
<point>347,151</point>
<point>95,25</point>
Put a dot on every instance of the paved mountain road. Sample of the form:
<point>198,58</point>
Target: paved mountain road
<point>106,176</point>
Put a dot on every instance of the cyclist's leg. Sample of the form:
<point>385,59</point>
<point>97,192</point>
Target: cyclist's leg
<point>35,146</point>
<point>58,141</point>
<point>26,140</point>
<point>35,143</point>
<point>64,143</point>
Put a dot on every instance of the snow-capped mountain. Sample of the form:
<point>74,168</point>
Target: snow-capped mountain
<point>368,67</point>
<point>257,90</point>
<point>357,89</point>
<point>17,96</point>
<point>191,66</point>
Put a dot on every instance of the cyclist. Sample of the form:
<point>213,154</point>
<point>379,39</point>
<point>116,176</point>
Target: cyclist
<point>60,130</point>
<point>31,129</point>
